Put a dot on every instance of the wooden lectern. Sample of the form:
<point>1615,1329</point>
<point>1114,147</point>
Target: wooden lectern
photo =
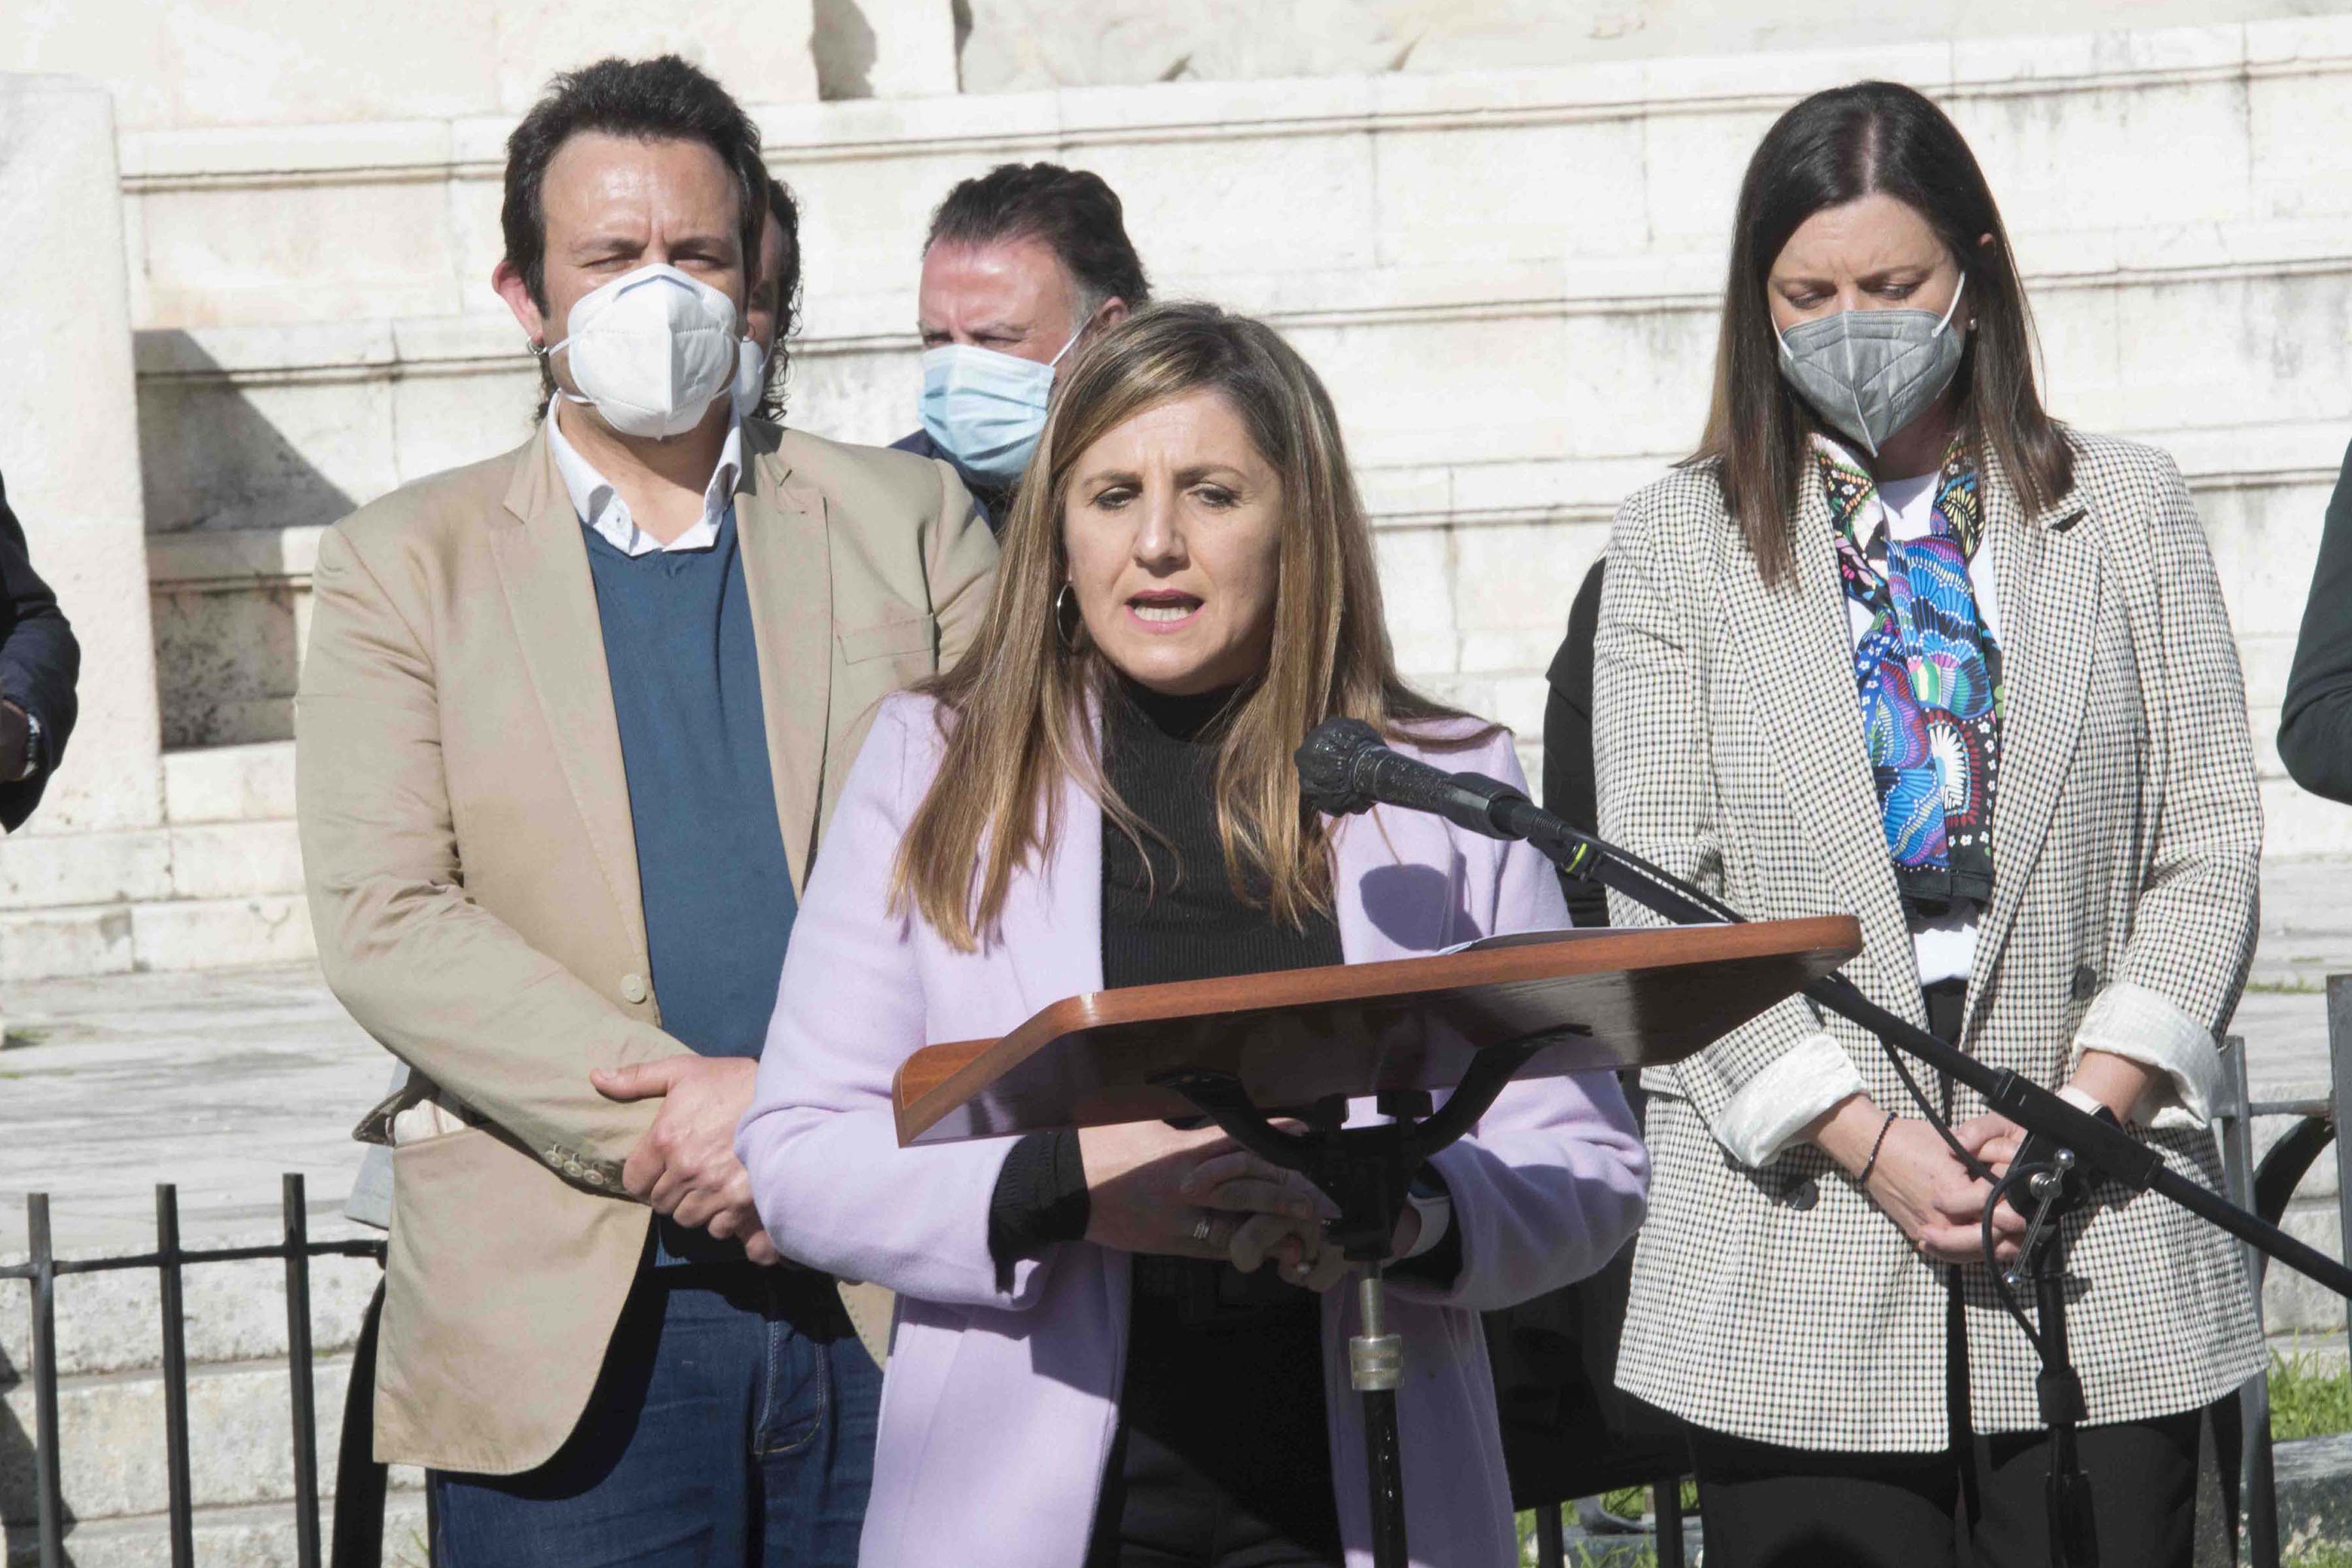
<point>1302,1044</point>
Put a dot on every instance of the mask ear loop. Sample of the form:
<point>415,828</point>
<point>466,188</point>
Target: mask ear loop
<point>1083,328</point>
<point>1957,289</point>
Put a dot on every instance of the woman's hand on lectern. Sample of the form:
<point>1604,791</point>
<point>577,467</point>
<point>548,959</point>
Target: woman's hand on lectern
<point>1295,1249</point>
<point>1143,1194</point>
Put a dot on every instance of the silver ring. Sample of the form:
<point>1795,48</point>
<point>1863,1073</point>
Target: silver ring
<point>1203,1228</point>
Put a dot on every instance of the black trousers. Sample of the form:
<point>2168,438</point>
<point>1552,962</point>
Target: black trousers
<point>1978,1504</point>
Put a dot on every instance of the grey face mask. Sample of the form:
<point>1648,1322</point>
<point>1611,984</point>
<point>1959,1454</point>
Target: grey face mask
<point>1870,373</point>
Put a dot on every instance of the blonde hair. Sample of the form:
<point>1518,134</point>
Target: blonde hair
<point>1018,712</point>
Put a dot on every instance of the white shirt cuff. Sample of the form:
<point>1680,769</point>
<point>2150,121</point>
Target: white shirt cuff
<point>1436,1219</point>
<point>1775,1105</point>
<point>2131,1021</point>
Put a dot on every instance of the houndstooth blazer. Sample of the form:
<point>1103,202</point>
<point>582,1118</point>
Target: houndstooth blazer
<point>1778,1303</point>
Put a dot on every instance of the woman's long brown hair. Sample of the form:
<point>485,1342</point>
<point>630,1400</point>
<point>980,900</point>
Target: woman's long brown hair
<point>1017,712</point>
<point>1834,148</point>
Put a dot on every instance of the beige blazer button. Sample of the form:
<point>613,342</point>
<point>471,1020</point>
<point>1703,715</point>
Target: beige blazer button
<point>633,988</point>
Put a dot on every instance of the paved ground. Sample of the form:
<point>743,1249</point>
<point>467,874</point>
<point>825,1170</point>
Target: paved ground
<point>220,1081</point>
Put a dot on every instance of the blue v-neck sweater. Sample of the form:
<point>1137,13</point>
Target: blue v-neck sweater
<point>712,871</point>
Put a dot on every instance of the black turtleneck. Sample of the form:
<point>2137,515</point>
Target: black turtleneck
<point>1222,1412</point>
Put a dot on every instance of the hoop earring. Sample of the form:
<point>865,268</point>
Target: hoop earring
<point>1067,622</point>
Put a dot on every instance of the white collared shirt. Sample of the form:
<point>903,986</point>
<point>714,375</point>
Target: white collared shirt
<point>600,506</point>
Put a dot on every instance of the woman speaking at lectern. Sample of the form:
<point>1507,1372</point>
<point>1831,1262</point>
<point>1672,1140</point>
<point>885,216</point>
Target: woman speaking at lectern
<point>1089,1365</point>
<point>1897,643</point>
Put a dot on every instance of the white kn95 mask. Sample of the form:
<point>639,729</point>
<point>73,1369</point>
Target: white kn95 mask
<point>651,350</point>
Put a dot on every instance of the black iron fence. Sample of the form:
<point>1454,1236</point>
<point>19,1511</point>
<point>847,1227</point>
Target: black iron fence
<point>2264,1188</point>
<point>43,1267</point>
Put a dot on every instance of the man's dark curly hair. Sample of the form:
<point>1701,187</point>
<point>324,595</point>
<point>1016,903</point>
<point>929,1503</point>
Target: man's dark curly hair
<point>663,98</point>
<point>787,214</point>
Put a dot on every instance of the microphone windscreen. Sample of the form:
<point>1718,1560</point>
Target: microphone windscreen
<point>1327,765</point>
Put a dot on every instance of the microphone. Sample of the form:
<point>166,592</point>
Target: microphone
<point>1344,768</point>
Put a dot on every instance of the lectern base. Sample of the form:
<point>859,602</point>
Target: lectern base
<point>1366,1171</point>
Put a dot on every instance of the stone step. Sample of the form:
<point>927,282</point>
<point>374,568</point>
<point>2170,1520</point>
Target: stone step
<point>171,933</point>
<point>230,783</point>
<point>226,860</point>
<point>257,1535</point>
<point>111,1460</point>
<point>231,1312</point>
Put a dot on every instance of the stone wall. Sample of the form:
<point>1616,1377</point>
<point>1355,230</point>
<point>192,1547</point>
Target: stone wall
<point>1509,279</point>
<point>68,449</point>
<point>1021,45</point>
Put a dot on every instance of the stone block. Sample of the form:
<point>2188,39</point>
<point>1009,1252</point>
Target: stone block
<point>1690,172</point>
<point>2034,146</point>
<point>1512,586</point>
<point>1453,391</point>
<point>759,53</point>
<point>230,783</point>
<point>2294,823</point>
<point>228,660</point>
<point>477,241</point>
<point>1304,201</point>
<point>1416,563</point>
<point>222,933</point>
<point>224,452</point>
<point>234,1313</point>
<point>447,415</point>
<point>882,48</point>
<point>863,226</point>
<point>2292,1305</point>
<point>1518,707</point>
<point>236,859</point>
<point>71,466</point>
<point>1535,192</point>
<point>258,1535</point>
<point>111,1439</point>
<point>2265,538</point>
<point>2314,1478</point>
<point>81,940</point>
<point>294,251</point>
<point>1634,382</point>
<point>287,62</point>
<point>44,870</point>
<point>858,394</point>
<point>196,153</point>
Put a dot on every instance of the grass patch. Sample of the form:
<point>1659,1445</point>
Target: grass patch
<point>2311,1396</point>
<point>1620,1552</point>
<point>2321,1557</point>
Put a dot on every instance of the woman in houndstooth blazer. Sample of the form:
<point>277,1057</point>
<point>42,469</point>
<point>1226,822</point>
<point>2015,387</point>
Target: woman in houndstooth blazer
<point>1896,643</point>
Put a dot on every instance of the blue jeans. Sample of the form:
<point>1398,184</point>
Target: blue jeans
<point>731,1427</point>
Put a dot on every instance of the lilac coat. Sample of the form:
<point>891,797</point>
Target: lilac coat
<point>999,1407</point>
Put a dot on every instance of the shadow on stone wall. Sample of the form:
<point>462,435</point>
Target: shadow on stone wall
<point>222,454</point>
<point>20,1527</point>
<point>217,450</point>
<point>842,42</point>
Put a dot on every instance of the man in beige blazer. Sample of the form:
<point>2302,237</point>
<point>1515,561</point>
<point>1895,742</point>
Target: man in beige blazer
<point>569,727</point>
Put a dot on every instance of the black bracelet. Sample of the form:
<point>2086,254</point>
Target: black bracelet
<point>1877,1143</point>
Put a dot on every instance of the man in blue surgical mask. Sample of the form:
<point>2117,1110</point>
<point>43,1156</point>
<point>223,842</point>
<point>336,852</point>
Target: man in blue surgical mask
<point>571,723</point>
<point>1021,265</point>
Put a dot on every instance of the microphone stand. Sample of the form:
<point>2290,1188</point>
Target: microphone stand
<point>2065,1150</point>
<point>1367,1172</point>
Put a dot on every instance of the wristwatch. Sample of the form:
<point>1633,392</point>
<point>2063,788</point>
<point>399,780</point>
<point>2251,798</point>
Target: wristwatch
<point>32,745</point>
